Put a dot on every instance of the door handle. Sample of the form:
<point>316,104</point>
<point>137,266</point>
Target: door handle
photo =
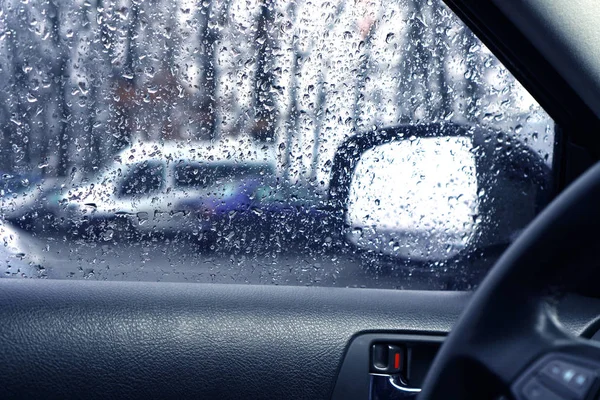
<point>391,387</point>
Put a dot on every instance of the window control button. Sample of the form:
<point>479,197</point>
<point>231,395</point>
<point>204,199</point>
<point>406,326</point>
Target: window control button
<point>535,390</point>
<point>576,379</point>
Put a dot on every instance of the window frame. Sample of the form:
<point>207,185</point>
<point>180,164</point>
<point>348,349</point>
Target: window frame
<point>131,168</point>
<point>576,147</point>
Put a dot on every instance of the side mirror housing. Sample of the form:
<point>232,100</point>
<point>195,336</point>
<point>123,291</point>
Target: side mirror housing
<point>436,192</point>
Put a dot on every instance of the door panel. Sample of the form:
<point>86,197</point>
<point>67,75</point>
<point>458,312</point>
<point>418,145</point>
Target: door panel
<point>140,340</point>
<point>89,339</point>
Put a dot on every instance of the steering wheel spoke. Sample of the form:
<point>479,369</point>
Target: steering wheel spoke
<point>486,364</point>
<point>568,371</point>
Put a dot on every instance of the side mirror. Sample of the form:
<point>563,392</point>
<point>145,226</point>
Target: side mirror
<point>435,192</point>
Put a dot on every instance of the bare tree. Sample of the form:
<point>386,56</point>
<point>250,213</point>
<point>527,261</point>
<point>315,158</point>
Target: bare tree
<point>415,66</point>
<point>472,86</point>
<point>207,61</point>
<point>24,65</point>
<point>11,105</point>
<point>264,118</point>
<point>60,71</point>
<point>293,117</point>
<point>439,62</point>
<point>361,78</point>
<point>320,114</point>
<point>127,82</point>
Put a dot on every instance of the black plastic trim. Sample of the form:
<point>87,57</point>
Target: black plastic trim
<point>532,70</point>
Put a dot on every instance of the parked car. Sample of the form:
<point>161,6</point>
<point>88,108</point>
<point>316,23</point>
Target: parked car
<point>31,204</point>
<point>11,183</point>
<point>164,188</point>
<point>18,254</point>
<point>199,189</point>
<point>18,192</point>
<point>272,213</point>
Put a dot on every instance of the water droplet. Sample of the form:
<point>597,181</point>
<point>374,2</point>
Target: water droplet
<point>518,128</point>
<point>123,13</point>
<point>142,218</point>
<point>83,87</point>
<point>257,211</point>
<point>107,235</point>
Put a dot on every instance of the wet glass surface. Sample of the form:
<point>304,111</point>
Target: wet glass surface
<point>175,140</point>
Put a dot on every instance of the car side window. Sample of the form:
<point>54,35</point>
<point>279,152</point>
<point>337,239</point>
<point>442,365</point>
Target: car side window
<point>193,175</point>
<point>197,175</point>
<point>144,178</point>
<point>367,143</point>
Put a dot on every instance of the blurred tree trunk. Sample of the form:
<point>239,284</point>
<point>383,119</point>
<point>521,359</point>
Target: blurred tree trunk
<point>19,86</point>
<point>320,114</point>
<point>64,113</point>
<point>14,104</point>
<point>60,70</point>
<point>293,114</point>
<point>263,104</point>
<point>9,131</point>
<point>208,59</point>
<point>24,65</point>
<point>440,62</point>
<point>127,80</point>
<point>92,150</point>
<point>293,120</point>
<point>413,87</point>
<point>472,89</point>
<point>321,103</point>
<point>131,54</point>
<point>361,78</point>
<point>116,131</point>
<point>6,161</point>
<point>94,140</point>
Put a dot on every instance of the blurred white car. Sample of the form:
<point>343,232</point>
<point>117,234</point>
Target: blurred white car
<point>18,202</point>
<point>18,257</point>
<point>166,186</point>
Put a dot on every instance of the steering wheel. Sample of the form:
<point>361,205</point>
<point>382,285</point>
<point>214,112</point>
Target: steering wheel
<point>508,342</point>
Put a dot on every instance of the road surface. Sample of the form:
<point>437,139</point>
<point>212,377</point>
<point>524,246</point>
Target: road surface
<point>182,260</point>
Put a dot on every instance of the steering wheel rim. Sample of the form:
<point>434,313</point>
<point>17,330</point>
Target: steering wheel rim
<point>511,322</point>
